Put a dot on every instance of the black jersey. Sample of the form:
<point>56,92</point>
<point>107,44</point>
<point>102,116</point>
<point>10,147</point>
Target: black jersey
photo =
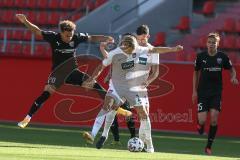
<point>210,82</point>
<point>62,51</point>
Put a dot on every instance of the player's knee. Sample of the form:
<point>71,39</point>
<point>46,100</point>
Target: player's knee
<point>213,122</point>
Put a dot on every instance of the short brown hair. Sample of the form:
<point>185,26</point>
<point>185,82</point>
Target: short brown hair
<point>66,25</point>
<point>130,41</point>
<point>214,35</point>
<point>143,29</point>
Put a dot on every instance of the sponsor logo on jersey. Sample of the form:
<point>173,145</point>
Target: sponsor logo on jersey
<point>127,65</point>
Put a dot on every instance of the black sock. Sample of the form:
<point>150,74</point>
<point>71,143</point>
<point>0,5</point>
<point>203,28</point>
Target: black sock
<point>211,135</point>
<point>38,103</point>
<point>126,106</point>
<point>131,126</point>
<point>101,91</point>
<point>115,130</point>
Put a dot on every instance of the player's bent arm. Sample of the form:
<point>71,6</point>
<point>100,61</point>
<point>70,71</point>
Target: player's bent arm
<point>97,72</point>
<point>28,24</point>
<point>100,38</point>
<point>162,50</point>
<point>103,50</point>
<point>154,73</point>
<point>196,75</point>
<point>233,75</point>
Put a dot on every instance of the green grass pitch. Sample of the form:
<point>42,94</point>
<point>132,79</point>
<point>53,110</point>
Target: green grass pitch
<point>38,142</point>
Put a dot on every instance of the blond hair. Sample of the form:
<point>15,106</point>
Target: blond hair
<point>66,25</point>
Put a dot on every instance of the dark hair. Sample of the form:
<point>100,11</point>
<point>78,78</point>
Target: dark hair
<point>66,25</point>
<point>143,29</point>
<point>214,35</point>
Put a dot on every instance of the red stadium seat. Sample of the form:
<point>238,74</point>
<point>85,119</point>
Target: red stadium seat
<point>229,25</point>
<point>232,56</point>
<point>202,42</point>
<point>17,35</point>
<point>9,3</point>
<point>20,3</point>
<point>10,14</point>
<point>160,39</point>
<point>53,4</point>
<point>17,48</point>
<point>99,3</point>
<point>229,42</point>
<point>42,18</point>
<point>26,50</point>
<point>32,16</point>
<point>1,34</point>
<point>180,56</point>
<point>53,18</point>
<point>237,27</point>
<point>209,7</point>
<point>39,50</point>
<point>27,35</point>
<point>184,24</point>
<point>191,56</point>
<point>237,43</point>
<point>31,4</point>
<point>76,4</point>
<point>76,16</point>
<point>42,4</point>
<point>64,4</point>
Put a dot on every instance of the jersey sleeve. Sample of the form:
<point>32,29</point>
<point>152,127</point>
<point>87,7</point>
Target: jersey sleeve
<point>82,37</point>
<point>141,50</point>
<point>155,58</point>
<point>227,64</point>
<point>49,36</point>
<point>197,63</point>
<point>107,61</point>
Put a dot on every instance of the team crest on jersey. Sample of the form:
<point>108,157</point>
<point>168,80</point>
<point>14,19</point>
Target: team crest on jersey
<point>142,60</point>
<point>71,43</point>
<point>134,55</point>
<point>219,60</point>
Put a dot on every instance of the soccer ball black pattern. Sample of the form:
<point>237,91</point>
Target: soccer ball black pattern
<point>135,145</point>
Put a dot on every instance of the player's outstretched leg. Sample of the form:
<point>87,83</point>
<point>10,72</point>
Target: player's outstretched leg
<point>108,122</point>
<point>35,107</point>
<point>89,137</point>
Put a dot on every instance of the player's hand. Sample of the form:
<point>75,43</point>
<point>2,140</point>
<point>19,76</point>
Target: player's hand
<point>110,39</point>
<point>103,45</point>
<point>194,97</point>
<point>178,48</point>
<point>21,17</point>
<point>234,81</point>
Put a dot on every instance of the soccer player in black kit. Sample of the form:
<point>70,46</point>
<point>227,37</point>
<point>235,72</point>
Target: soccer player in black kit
<point>64,65</point>
<point>207,85</point>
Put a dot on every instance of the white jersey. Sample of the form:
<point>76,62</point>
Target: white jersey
<point>128,74</point>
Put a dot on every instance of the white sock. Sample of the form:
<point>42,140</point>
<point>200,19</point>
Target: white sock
<point>108,122</point>
<point>141,133</point>
<point>98,122</point>
<point>147,130</point>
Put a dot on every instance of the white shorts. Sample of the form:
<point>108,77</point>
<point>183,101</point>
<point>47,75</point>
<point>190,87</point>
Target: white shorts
<point>121,94</point>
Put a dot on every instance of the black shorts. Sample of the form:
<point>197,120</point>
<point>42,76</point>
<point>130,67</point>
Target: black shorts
<point>76,77</point>
<point>209,102</point>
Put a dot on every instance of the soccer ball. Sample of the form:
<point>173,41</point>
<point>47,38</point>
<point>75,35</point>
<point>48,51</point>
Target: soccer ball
<point>135,145</point>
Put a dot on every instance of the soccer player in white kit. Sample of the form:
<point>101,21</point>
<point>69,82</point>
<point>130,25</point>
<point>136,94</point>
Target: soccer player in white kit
<point>127,83</point>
